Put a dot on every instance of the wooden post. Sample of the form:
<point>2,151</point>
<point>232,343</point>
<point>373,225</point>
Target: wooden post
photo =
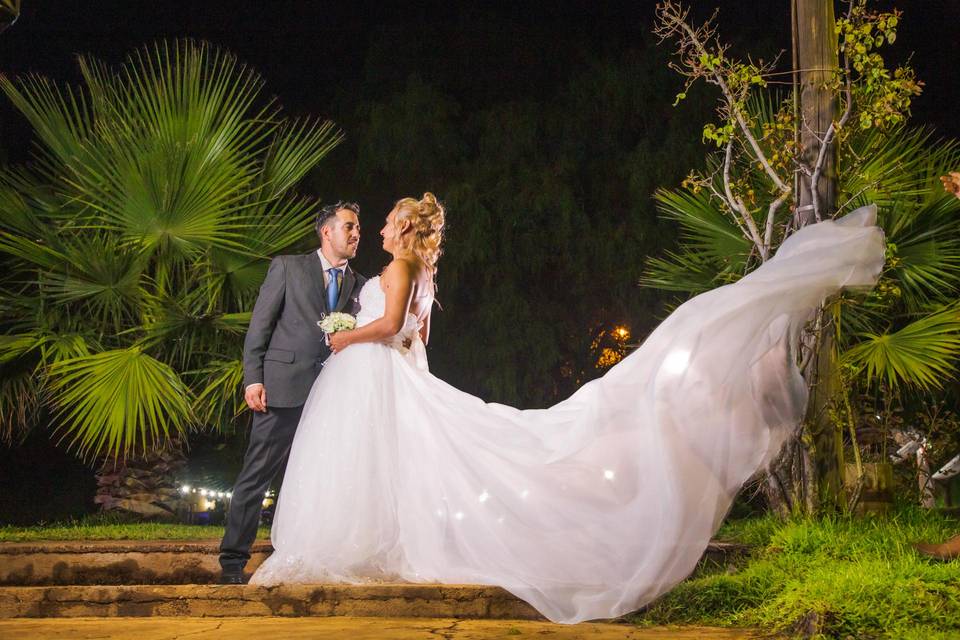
<point>816,55</point>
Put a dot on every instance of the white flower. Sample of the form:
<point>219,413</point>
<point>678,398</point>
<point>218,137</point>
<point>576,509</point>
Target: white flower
<point>337,321</point>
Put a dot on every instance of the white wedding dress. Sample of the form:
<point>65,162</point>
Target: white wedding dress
<point>589,509</point>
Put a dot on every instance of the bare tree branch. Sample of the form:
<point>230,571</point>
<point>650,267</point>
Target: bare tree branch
<point>737,205</point>
<point>717,78</point>
<point>771,217</point>
<point>693,46</point>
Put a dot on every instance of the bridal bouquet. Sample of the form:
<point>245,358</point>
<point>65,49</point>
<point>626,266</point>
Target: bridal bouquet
<point>337,321</point>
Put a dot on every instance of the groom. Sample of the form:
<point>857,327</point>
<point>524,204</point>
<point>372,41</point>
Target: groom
<point>282,355</point>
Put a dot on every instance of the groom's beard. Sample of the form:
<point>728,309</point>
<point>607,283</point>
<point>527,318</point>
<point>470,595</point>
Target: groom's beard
<point>346,251</point>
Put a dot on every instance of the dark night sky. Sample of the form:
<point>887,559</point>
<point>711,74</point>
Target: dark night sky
<point>312,51</point>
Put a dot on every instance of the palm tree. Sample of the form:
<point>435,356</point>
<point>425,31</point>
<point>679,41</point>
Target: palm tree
<point>134,245</point>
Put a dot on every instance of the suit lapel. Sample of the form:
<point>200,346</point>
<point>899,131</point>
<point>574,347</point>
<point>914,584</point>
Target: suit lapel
<point>316,276</point>
<point>346,288</point>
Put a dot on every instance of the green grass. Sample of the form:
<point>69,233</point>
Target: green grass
<point>107,528</point>
<point>861,578</point>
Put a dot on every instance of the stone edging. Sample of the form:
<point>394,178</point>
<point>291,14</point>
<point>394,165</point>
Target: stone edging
<point>122,546</point>
<point>390,600</point>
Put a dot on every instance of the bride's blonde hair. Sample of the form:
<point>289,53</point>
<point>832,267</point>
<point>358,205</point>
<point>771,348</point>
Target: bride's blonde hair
<point>426,217</point>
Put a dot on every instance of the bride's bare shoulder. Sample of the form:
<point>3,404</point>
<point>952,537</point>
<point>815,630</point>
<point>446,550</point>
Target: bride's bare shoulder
<point>399,270</point>
<point>407,266</point>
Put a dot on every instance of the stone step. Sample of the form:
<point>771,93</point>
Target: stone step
<point>248,628</point>
<point>169,562</point>
<point>227,601</point>
<point>117,562</point>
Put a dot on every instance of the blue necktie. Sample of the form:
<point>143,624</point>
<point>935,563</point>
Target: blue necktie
<point>333,289</point>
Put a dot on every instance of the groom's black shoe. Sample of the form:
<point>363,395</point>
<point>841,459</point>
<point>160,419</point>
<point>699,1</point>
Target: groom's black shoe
<point>232,576</point>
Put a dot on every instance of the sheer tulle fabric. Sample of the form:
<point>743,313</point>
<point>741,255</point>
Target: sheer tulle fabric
<point>588,509</point>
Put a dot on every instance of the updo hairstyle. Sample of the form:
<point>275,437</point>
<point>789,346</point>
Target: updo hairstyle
<point>426,217</point>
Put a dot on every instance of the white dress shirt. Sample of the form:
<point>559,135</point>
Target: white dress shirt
<point>327,266</point>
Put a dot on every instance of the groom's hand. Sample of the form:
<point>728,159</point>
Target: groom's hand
<point>256,397</point>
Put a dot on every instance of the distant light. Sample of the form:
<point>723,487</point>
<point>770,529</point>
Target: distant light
<point>623,333</point>
<point>458,515</point>
<point>229,494</point>
<point>185,489</point>
<point>266,495</point>
<point>203,492</point>
<point>483,497</point>
<point>608,474</point>
<point>219,494</point>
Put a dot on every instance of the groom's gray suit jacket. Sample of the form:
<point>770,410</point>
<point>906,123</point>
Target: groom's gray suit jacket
<point>284,348</point>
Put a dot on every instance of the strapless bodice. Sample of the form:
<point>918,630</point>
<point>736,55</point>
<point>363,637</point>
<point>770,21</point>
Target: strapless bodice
<point>373,303</point>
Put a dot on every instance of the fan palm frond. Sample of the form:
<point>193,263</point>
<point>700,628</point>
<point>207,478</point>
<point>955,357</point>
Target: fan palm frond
<point>888,168</point>
<point>296,149</point>
<point>23,202</point>
<point>181,326</point>
<point>704,226</point>
<point>93,273</point>
<point>926,257</point>
<point>22,361</point>
<point>62,118</point>
<point>58,347</point>
<point>687,272</point>
<point>861,314</point>
<point>220,399</point>
<point>713,250</point>
<point>119,401</point>
<point>922,354</point>
<point>36,253</point>
<point>101,277</point>
<point>17,345</point>
<point>20,402</point>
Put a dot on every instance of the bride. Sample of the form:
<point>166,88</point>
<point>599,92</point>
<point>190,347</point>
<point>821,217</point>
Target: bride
<point>589,509</point>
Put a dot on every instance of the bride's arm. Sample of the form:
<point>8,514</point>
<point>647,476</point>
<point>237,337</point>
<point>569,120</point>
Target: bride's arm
<point>397,283</point>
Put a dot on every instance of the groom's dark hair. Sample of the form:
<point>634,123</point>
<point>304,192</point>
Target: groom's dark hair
<point>329,212</point>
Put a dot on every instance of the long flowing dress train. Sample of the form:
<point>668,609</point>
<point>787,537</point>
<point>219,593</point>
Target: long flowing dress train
<point>589,509</point>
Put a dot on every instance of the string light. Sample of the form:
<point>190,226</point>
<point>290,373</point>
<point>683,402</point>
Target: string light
<point>211,493</point>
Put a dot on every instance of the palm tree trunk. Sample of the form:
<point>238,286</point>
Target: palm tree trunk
<point>142,486</point>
